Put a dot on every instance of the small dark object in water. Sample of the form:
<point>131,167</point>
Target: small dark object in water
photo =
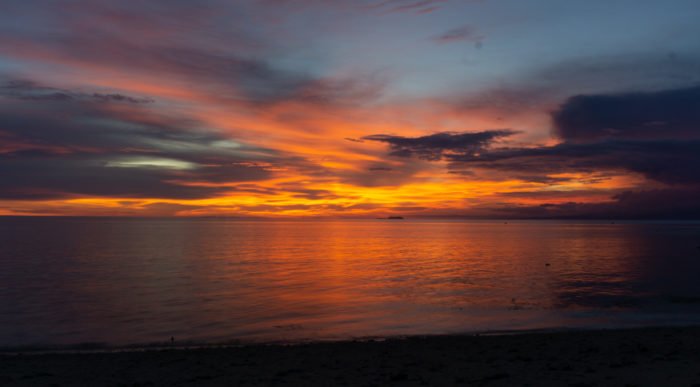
<point>395,217</point>
<point>546,264</point>
<point>172,339</point>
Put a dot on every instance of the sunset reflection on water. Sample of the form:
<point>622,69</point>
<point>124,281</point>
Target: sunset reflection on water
<point>121,281</point>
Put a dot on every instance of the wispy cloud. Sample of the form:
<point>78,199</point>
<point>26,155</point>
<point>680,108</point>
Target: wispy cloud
<point>461,34</point>
<point>314,107</point>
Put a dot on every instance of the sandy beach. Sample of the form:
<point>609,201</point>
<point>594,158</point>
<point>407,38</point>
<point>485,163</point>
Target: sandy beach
<point>631,357</point>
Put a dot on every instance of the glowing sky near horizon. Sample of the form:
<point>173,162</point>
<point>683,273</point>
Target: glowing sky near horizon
<point>350,108</point>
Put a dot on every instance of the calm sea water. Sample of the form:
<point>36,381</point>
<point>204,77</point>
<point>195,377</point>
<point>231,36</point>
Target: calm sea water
<point>66,281</point>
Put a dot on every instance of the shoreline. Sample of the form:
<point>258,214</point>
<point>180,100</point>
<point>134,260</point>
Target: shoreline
<point>632,356</point>
<point>96,347</point>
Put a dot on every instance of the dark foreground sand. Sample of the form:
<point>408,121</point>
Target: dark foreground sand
<point>641,357</point>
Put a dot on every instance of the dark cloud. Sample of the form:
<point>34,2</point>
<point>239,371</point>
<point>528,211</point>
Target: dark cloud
<point>439,145</point>
<point>667,161</point>
<point>647,204</point>
<point>72,125</point>
<point>653,115</point>
<point>654,134</point>
<point>27,90</point>
<point>65,147</point>
<point>37,177</point>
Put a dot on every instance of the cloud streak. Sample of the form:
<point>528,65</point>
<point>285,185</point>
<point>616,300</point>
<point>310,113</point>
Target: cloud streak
<point>439,145</point>
<point>461,34</point>
<point>81,145</point>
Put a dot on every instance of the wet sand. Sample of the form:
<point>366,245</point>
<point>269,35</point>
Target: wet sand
<point>633,357</point>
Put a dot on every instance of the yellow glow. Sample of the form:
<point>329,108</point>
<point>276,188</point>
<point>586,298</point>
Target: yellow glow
<point>331,175</point>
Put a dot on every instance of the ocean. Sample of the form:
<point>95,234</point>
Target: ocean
<point>115,281</point>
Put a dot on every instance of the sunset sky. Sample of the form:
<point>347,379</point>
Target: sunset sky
<point>368,108</point>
